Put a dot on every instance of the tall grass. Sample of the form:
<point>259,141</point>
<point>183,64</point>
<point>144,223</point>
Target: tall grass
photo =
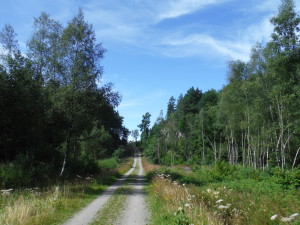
<point>223,194</point>
<point>56,203</point>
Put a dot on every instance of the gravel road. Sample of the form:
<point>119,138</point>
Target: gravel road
<point>87,214</point>
<point>135,209</point>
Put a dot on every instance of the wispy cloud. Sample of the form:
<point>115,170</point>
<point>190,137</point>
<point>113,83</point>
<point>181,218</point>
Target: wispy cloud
<point>136,27</point>
<point>173,9</point>
<point>138,101</point>
<point>201,44</point>
<point>267,6</point>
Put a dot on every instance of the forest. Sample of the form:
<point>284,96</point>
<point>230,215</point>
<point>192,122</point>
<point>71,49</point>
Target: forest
<point>229,156</point>
<point>254,120</point>
<point>57,117</point>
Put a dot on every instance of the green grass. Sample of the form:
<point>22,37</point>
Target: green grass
<point>55,204</point>
<point>111,210</point>
<point>254,196</point>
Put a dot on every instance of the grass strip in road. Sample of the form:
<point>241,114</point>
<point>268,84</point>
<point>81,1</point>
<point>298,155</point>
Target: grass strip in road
<point>111,211</point>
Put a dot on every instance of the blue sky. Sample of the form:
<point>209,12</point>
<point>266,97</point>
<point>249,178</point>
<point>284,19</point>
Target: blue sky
<point>158,49</point>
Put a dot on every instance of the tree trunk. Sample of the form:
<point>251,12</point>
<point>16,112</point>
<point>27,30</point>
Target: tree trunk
<point>67,148</point>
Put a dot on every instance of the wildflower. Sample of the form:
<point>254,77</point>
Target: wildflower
<point>224,206</point>
<point>216,193</point>
<point>274,217</point>
<point>6,191</point>
<point>187,205</point>
<point>294,215</point>
<point>290,218</point>
<point>220,200</point>
<point>209,190</point>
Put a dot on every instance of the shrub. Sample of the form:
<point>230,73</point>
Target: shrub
<point>106,164</point>
<point>118,154</point>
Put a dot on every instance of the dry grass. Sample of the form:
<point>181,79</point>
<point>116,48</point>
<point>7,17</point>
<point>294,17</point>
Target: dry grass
<point>55,204</point>
<point>148,167</point>
<point>175,203</point>
<point>28,207</point>
<point>181,203</point>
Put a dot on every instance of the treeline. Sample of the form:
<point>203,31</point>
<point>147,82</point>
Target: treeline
<point>55,116</point>
<point>254,120</point>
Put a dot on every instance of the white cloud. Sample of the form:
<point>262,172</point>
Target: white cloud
<point>201,44</point>
<point>178,8</point>
<point>142,100</point>
<point>205,46</point>
<point>267,6</point>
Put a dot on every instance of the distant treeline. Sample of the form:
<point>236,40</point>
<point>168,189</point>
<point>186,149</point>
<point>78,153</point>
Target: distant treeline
<point>56,116</point>
<point>254,120</point>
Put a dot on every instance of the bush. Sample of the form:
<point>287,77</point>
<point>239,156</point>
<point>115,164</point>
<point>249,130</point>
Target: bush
<point>106,164</point>
<point>118,154</point>
<point>24,172</point>
<point>287,178</point>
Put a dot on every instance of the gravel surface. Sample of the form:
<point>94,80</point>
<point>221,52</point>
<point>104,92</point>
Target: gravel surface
<point>135,209</point>
<point>87,214</point>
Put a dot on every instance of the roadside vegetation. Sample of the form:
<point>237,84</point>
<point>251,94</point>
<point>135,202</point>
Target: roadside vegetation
<point>56,203</point>
<point>222,194</point>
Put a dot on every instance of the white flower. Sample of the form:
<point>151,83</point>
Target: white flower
<point>289,219</point>
<point>294,215</point>
<point>216,193</point>
<point>220,200</point>
<point>180,208</point>
<point>209,190</point>
<point>187,205</point>
<point>274,217</point>
<point>224,206</point>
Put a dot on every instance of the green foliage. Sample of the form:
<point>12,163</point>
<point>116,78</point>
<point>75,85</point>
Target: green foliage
<point>107,164</point>
<point>253,121</point>
<point>118,154</point>
<point>286,178</point>
<point>53,114</point>
<point>24,171</point>
<point>180,217</point>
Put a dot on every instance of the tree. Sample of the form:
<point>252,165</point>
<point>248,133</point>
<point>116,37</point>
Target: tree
<point>171,106</point>
<point>286,26</point>
<point>8,40</point>
<point>45,47</point>
<point>81,69</point>
<point>135,134</point>
<point>144,126</point>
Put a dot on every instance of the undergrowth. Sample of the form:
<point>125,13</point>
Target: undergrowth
<point>223,194</point>
<point>55,204</point>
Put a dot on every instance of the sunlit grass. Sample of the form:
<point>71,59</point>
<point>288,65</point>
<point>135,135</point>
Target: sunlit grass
<point>205,201</point>
<point>55,204</point>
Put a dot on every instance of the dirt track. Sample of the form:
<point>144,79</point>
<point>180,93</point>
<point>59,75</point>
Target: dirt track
<point>135,210</point>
